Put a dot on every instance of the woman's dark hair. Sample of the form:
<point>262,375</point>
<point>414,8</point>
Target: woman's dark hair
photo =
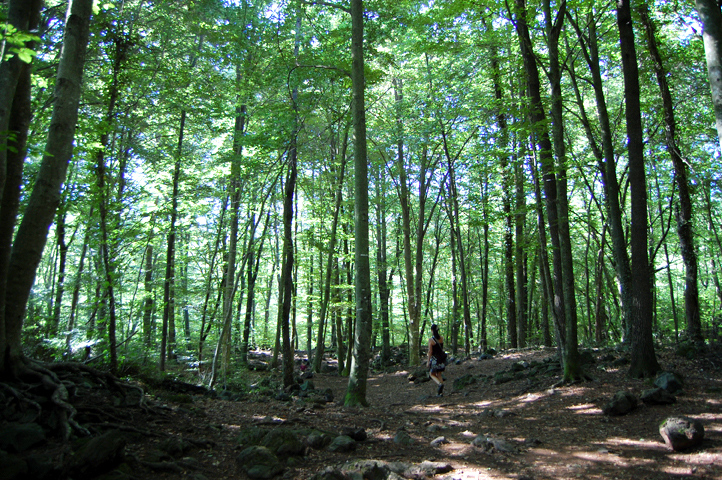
<point>435,331</point>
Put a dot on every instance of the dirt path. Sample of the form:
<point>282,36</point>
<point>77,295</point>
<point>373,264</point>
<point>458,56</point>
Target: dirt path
<point>559,433</point>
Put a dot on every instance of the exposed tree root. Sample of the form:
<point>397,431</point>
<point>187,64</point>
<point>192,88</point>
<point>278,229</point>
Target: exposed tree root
<point>60,384</point>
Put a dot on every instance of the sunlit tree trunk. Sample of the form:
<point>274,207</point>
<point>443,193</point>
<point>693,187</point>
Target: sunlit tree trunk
<point>684,216</point>
<point>356,392</point>
<point>711,17</point>
<point>41,208</point>
<point>167,345</point>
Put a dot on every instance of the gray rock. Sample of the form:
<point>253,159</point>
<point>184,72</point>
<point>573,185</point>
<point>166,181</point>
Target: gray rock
<point>464,381</point>
<point>259,462</point>
<point>398,467</point>
<point>367,469</point>
<point>427,469</point>
<point>438,441</point>
<point>13,468</point>
<point>342,444</point>
<point>403,438</point>
<point>18,437</point>
<point>251,436</point>
<point>657,396</point>
<point>495,444</point>
<point>622,403</point>
<point>330,473</point>
<point>97,456</point>
<point>283,442</point>
<point>669,381</point>
<point>318,440</point>
<point>358,434</point>
<point>501,378</point>
<point>681,433</point>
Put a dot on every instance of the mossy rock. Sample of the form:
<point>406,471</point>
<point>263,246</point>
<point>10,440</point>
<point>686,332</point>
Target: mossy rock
<point>251,436</point>
<point>464,381</point>
<point>283,442</point>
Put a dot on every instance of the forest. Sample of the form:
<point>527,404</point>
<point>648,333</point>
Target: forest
<point>185,183</point>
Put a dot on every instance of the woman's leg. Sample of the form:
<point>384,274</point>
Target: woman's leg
<point>435,377</point>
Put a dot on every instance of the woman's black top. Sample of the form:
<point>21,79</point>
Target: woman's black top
<point>437,349</point>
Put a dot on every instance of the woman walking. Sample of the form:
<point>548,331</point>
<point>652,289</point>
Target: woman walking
<point>437,359</point>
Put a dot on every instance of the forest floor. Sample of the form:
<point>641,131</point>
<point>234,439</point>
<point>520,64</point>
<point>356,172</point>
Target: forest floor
<point>555,432</point>
<point>559,432</point>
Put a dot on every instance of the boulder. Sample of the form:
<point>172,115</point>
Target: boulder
<point>283,443</point>
<point>318,440</point>
<point>669,381</point>
<point>438,441</point>
<point>463,381</point>
<point>622,403</point>
<point>358,434</point>
<point>97,456</point>
<point>493,444</point>
<point>681,433</point>
<point>403,438</point>
<point>342,444</point>
<point>427,469</point>
<point>367,469</point>
<point>259,462</point>
<point>657,396</point>
<point>251,436</point>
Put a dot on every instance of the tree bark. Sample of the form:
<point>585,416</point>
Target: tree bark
<point>33,230</point>
<point>684,215</point>
<point>23,15</point>
<point>607,165</point>
<point>541,137</point>
<point>643,359</point>
<point>331,259</point>
<point>356,391</point>
<point>167,345</point>
<point>711,17</point>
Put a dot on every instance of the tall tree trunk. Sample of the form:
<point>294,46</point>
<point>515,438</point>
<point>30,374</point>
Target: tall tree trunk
<point>356,391</point>
<point>684,215</point>
<point>148,301</point>
<point>405,201</point>
<point>103,197</point>
<point>607,165</point>
<point>643,361</point>
<point>383,275</point>
<point>62,259</point>
<point>541,137</point>
<point>520,256</point>
<point>331,259</point>
<point>24,16</point>
<point>40,211</point>
<point>711,17</point>
<point>167,345</point>
<point>77,283</point>
<point>572,365</point>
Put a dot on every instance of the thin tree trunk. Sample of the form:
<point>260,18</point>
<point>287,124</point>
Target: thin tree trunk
<point>607,164</point>
<point>684,215</point>
<point>326,293</point>
<point>167,345</point>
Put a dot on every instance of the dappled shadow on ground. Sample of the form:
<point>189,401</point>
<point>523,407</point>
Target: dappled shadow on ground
<point>546,432</point>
